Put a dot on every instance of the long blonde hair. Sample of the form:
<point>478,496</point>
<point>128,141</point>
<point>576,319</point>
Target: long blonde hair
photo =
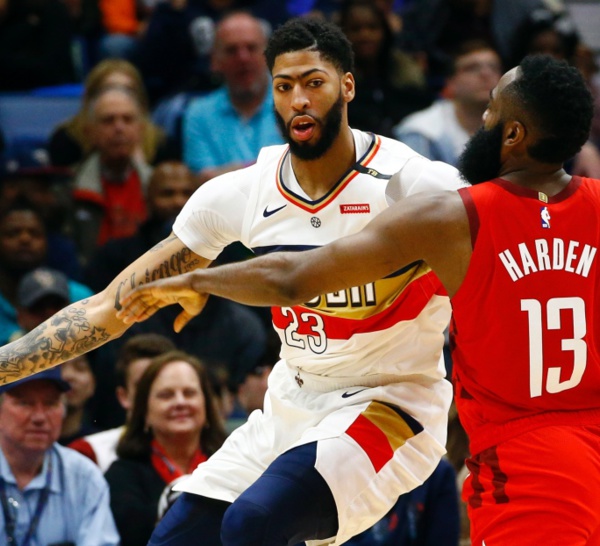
<point>152,135</point>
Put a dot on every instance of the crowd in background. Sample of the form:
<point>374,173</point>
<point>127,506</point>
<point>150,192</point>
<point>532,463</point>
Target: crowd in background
<point>173,93</point>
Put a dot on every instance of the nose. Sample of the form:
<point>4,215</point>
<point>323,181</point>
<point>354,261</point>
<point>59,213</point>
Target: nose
<point>300,101</point>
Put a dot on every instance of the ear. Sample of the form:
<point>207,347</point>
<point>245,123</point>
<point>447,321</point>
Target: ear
<point>122,397</point>
<point>514,134</point>
<point>348,87</point>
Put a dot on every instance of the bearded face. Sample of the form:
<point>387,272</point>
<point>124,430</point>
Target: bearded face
<point>330,125</point>
<point>480,160</point>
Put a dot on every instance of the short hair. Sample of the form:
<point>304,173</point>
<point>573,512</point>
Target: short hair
<point>148,345</point>
<point>314,35</point>
<point>557,100</point>
<point>467,47</point>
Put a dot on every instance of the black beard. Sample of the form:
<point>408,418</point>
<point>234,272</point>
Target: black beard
<point>480,160</point>
<point>330,124</point>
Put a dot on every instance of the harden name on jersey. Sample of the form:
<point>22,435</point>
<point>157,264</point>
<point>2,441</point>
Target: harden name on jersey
<point>544,254</point>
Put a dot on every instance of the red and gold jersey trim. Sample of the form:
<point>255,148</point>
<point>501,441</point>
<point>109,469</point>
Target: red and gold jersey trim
<point>407,305</point>
<point>315,206</point>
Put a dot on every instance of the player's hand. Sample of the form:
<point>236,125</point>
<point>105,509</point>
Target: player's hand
<point>147,299</point>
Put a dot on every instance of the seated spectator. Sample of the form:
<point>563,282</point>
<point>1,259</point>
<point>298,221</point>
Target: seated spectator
<point>226,129</point>
<point>27,173</point>
<point>426,516</point>
<point>133,359</point>
<point>124,21</point>
<point>35,44</point>
<point>174,426</point>
<point>78,373</point>
<point>185,30</point>
<point>249,396</point>
<point>23,248</point>
<point>441,131</point>
<point>169,187</point>
<point>390,84</point>
<point>50,494</point>
<point>110,185</point>
<point>69,143</point>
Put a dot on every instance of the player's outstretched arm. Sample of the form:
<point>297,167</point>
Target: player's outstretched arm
<point>431,227</point>
<point>89,323</point>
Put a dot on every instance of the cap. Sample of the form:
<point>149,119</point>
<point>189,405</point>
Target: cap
<point>42,282</point>
<point>51,374</point>
<point>31,162</point>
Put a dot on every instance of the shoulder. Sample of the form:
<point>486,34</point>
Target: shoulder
<point>83,471</point>
<point>204,105</point>
<point>427,121</point>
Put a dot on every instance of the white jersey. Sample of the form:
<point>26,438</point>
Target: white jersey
<point>387,335</point>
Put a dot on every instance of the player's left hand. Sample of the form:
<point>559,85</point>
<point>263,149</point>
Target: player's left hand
<point>147,299</point>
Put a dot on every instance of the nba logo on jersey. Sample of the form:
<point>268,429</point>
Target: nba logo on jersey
<point>545,217</point>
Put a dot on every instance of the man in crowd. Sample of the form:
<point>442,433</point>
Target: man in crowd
<point>226,129</point>
<point>110,185</point>
<point>441,131</point>
<point>517,253</point>
<point>49,494</point>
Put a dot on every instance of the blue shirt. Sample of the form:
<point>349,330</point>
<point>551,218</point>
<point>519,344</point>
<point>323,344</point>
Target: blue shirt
<point>77,509</point>
<point>214,133</point>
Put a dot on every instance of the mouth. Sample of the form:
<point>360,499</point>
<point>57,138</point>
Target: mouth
<point>303,128</point>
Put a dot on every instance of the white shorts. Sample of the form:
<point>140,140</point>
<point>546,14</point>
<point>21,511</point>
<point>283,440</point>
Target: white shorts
<point>370,450</point>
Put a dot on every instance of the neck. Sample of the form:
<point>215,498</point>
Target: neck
<point>72,422</point>
<point>247,104</point>
<point>115,169</point>
<point>181,449</point>
<point>469,116</point>
<point>24,464</point>
<point>316,177</point>
<point>546,178</point>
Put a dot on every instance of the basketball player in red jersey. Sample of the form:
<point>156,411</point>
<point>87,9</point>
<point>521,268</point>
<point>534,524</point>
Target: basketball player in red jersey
<point>517,253</point>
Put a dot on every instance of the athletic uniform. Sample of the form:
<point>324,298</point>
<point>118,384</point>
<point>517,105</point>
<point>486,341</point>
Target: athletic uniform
<point>361,371</point>
<point>531,407</point>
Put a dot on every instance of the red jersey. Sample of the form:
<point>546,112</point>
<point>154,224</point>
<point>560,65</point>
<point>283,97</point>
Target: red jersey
<point>525,329</point>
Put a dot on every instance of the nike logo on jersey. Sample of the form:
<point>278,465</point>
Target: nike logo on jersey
<point>267,212</point>
<point>349,394</point>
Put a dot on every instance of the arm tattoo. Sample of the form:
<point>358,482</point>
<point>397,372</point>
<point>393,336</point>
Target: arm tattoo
<point>64,336</point>
<point>180,262</point>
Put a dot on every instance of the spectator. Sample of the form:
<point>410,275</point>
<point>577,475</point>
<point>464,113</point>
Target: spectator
<point>110,185</point>
<point>124,21</point>
<point>69,144</point>
<point>26,173</point>
<point>23,248</point>
<point>437,27</point>
<point>174,426</point>
<point>35,44</point>
<point>426,516</point>
<point>169,187</point>
<point>389,83</point>
<point>50,494</point>
<point>226,129</point>
<point>133,359</point>
<point>78,373</point>
<point>441,131</point>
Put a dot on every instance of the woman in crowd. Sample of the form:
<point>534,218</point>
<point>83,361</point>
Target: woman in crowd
<point>69,144</point>
<point>390,84</point>
<point>174,426</point>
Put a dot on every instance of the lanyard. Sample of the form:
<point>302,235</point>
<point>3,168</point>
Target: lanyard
<point>10,520</point>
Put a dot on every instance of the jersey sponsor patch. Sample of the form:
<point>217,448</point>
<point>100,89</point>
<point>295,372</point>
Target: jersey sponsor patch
<point>359,208</point>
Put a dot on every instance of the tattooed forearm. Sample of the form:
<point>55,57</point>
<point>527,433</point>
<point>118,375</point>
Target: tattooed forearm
<point>179,262</point>
<point>64,336</point>
<point>160,245</point>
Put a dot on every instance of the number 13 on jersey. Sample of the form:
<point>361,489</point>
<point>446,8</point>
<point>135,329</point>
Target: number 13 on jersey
<point>541,320</point>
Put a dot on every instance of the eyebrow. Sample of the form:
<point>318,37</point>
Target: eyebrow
<point>303,75</point>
